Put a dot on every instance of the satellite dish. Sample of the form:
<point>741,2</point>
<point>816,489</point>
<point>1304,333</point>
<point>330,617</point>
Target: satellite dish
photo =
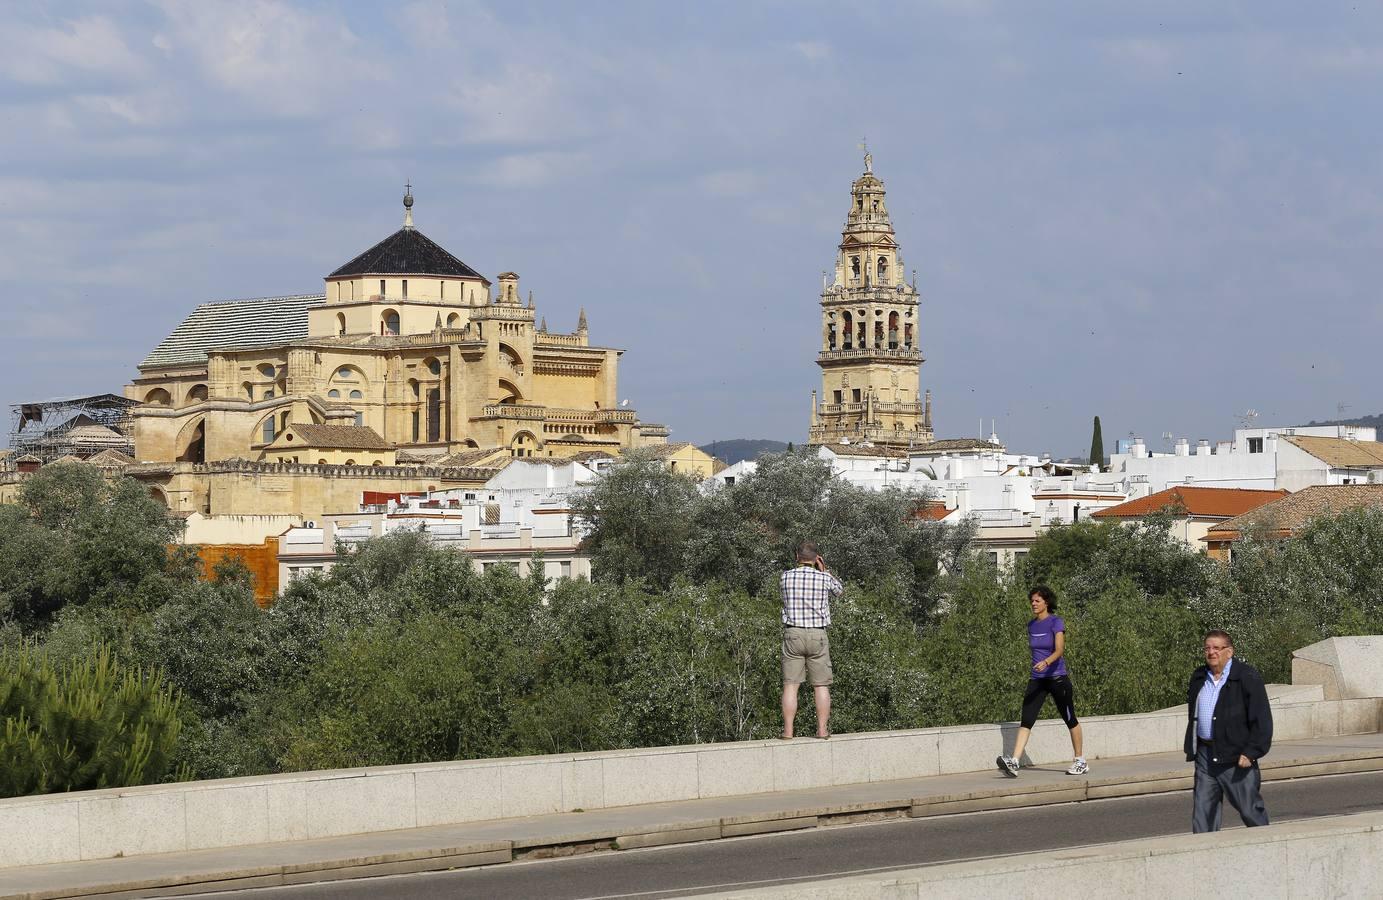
<point>623,403</point>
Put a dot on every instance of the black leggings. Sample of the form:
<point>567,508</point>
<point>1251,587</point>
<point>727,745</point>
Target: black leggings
<point>1059,686</point>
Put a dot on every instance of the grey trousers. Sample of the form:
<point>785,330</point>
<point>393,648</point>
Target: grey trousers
<point>1216,780</point>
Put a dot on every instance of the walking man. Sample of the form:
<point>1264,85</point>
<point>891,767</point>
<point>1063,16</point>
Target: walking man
<point>807,593</point>
<point>1230,729</point>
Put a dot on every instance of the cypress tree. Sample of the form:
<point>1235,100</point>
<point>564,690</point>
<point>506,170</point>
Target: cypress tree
<point>1097,445</point>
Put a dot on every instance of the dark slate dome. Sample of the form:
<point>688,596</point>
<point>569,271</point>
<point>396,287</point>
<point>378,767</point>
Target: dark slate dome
<point>406,252</point>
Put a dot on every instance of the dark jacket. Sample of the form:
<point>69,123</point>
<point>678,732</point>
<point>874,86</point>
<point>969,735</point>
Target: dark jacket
<point>1243,720</point>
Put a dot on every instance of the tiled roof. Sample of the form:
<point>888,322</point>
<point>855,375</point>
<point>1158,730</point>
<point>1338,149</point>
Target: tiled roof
<point>1340,453</point>
<point>663,451</point>
<point>864,450</point>
<point>341,437</point>
<point>111,459</point>
<point>1196,501</point>
<point>406,252</point>
<point>958,444</point>
<point>470,457</point>
<point>591,455</point>
<point>1291,513</point>
<point>232,324</point>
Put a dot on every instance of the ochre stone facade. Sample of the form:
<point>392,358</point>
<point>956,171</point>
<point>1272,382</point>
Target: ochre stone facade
<point>870,355</point>
<point>408,354</point>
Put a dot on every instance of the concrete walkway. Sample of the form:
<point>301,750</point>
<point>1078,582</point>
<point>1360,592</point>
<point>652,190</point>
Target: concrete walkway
<point>504,840</point>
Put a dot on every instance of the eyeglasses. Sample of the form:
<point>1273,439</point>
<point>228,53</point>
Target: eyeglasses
<point>1211,649</point>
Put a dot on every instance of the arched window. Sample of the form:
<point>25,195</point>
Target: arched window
<point>334,394</point>
<point>194,449</point>
<point>883,270</point>
<point>267,371</point>
<point>893,331</point>
<point>434,365</point>
<point>878,334</point>
<point>249,390</point>
<point>454,320</point>
<point>321,462</point>
<point>378,462</point>
<point>350,462</point>
<point>340,323</point>
<point>158,397</point>
<point>849,330</point>
<point>855,266</point>
<point>198,393</point>
<point>357,395</point>
<point>389,321</point>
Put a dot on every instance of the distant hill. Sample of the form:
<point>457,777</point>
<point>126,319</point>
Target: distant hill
<point>740,449</point>
<point>1366,421</point>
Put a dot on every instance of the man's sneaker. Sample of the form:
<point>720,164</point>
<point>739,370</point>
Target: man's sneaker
<point>1078,768</point>
<point>1008,765</point>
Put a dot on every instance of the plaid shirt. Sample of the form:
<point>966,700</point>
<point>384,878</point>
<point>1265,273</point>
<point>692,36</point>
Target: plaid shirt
<point>807,594</point>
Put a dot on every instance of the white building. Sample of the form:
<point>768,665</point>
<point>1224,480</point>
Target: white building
<point>523,510</point>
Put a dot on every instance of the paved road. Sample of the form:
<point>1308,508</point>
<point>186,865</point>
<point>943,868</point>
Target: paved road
<point>690,868</point>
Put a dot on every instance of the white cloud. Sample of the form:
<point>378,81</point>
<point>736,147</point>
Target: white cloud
<point>281,59</point>
<point>75,49</point>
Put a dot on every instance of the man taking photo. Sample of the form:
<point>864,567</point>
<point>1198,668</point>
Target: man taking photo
<point>807,593</point>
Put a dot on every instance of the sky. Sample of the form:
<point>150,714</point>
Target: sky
<point>1162,214</point>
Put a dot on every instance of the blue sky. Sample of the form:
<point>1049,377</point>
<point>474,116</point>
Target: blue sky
<point>1163,214</point>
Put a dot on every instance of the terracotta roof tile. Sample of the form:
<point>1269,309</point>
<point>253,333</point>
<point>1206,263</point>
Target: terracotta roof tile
<point>1291,513</point>
<point>341,437</point>
<point>1197,501</point>
<point>1340,453</point>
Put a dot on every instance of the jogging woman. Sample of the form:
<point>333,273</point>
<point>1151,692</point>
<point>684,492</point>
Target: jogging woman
<point>1047,639</point>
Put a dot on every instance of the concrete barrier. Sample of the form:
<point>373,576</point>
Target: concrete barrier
<point>1333,857</point>
<point>1344,667</point>
<point>307,805</point>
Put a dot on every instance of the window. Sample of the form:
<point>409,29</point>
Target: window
<point>268,430</point>
<point>566,569</point>
<point>334,394</point>
<point>415,426</point>
<point>855,395</point>
<point>434,365</point>
<point>389,323</point>
<point>359,419</point>
<point>340,323</point>
<point>729,479</point>
<point>441,290</point>
<point>266,370</point>
<point>434,414</point>
<point>269,394</point>
<point>345,372</point>
<point>993,558</point>
<point>405,288</point>
<point>381,287</point>
<point>357,395</point>
<point>1256,445</point>
<point>839,397</point>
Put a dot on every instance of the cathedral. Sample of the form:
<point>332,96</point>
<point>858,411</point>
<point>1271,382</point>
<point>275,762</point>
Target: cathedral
<point>411,370</point>
<point>870,356</point>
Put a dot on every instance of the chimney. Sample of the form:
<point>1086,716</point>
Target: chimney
<point>1139,450</point>
<point>1183,447</point>
<point>1202,447</point>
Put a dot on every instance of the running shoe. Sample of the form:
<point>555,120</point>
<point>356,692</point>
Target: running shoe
<point>1078,768</point>
<point>1008,765</point>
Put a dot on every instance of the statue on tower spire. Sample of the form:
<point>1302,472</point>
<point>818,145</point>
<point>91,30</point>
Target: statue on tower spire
<point>868,157</point>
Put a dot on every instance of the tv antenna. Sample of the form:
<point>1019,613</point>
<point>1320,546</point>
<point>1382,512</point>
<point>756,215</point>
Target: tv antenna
<point>1167,438</point>
<point>1247,417</point>
<point>1340,409</point>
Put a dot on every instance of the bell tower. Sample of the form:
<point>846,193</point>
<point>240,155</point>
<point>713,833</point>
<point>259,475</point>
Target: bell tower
<point>870,356</point>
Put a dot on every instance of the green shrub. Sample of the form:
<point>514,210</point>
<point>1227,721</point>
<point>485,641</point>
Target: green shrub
<point>89,723</point>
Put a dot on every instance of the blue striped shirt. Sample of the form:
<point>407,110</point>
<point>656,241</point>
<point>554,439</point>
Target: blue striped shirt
<point>1205,701</point>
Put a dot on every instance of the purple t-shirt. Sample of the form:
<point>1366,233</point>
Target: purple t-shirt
<point>1042,640</point>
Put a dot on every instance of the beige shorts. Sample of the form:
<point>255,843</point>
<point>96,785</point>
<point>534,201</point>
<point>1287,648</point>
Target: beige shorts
<point>806,654</point>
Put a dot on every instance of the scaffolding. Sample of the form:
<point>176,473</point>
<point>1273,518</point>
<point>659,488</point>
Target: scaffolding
<point>72,426</point>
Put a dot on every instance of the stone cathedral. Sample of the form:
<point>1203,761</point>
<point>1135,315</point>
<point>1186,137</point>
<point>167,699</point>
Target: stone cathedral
<point>409,371</point>
<point>870,357</point>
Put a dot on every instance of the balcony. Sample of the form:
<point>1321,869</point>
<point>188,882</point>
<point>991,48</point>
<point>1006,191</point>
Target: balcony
<point>513,411</point>
<point>904,355</point>
<point>544,339</point>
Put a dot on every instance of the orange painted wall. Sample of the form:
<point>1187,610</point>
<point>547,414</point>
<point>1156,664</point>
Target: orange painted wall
<point>261,559</point>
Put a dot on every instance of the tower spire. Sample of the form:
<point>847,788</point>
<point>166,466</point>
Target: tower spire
<point>581,320</point>
<point>408,205</point>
